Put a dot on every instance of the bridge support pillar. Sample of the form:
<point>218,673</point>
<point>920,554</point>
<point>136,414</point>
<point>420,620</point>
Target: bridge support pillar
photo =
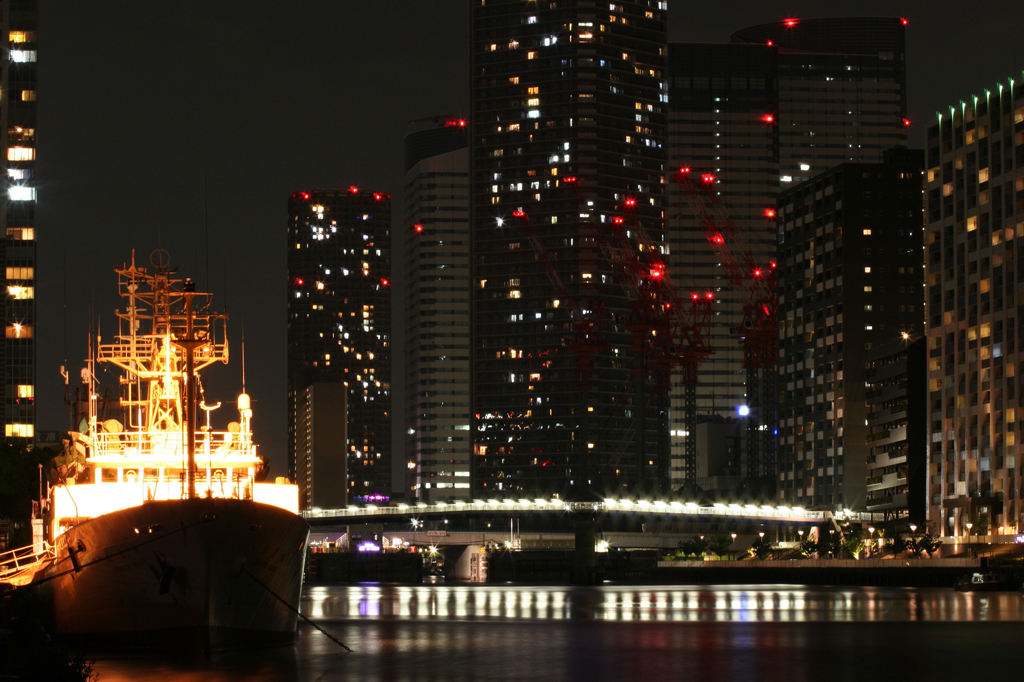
<point>584,569</point>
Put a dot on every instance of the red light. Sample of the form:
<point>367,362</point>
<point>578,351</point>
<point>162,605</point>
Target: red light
<point>655,273</point>
<point>769,213</point>
<point>301,195</point>
<point>709,295</point>
<point>685,170</point>
<point>903,21</point>
<point>569,179</point>
<point>718,239</point>
<point>353,189</point>
<point>768,118</point>
<point>518,213</point>
<point>617,220</point>
<point>770,43</point>
<point>629,201</point>
<point>905,121</point>
<point>385,281</point>
<point>773,264</point>
<point>299,281</point>
<point>418,228</point>
<point>707,178</point>
<point>378,196</point>
<point>757,272</point>
<point>694,296</point>
<point>790,22</point>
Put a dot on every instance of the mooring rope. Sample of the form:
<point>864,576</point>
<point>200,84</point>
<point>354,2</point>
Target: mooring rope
<point>294,610</point>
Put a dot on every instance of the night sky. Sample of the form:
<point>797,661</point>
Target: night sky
<point>187,125</point>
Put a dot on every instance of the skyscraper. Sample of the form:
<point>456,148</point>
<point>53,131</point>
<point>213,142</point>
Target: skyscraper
<point>436,234</point>
<point>18,211</point>
<point>850,278</point>
<point>567,127</point>
<point>974,273</point>
<point>781,103</point>
<point>339,323</point>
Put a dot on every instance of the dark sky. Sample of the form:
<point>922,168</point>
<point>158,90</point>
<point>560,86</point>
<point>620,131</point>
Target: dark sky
<point>188,124</point>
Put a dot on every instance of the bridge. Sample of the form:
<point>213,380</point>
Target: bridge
<point>557,514</point>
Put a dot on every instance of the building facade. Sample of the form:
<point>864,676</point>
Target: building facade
<point>567,129</point>
<point>436,237</point>
<point>850,278</point>
<point>339,322</point>
<point>779,104</point>
<point>18,211</point>
<point>320,435</point>
<point>975,267</point>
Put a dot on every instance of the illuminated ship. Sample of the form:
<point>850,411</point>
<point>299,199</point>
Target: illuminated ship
<point>160,531</point>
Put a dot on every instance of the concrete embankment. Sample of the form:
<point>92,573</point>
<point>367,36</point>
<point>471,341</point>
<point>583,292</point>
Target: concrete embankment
<point>882,572</point>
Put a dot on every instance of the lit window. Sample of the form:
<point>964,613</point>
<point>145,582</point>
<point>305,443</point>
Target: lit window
<point>867,269</point>
<point>20,273</point>
<point>531,55</point>
<point>26,391</point>
<point>18,430</point>
<point>21,293</point>
<point>533,102</point>
<point>21,233</point>
<point>533,90</point>
<point>19,331</point>
<point>21,37</point>
<point>21,153</point>
<point>867,289</point>
<point>28,95</point>
<point>867,231</point>
<point>23,56</point>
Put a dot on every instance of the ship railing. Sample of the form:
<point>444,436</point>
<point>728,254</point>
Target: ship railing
<point>146,444</point>
<point>17,560</point>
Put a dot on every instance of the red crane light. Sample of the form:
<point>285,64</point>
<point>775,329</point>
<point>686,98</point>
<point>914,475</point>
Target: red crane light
<point>769,213</point>
<point>418,227</point>
<point>519,213</point>
<point>353,189</point>
<point>790,22</point>
<point>768,118</point>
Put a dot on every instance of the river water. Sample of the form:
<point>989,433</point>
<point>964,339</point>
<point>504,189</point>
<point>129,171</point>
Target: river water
<point>752,632</point>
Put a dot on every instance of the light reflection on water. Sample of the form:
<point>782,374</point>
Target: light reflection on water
<point>755,632</point>
<point>754,603</point>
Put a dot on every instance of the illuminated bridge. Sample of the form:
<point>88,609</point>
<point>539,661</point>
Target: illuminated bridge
<point>657,516</point>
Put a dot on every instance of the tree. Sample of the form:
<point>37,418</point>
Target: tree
<point>924,543</point>
<point>19,485</point>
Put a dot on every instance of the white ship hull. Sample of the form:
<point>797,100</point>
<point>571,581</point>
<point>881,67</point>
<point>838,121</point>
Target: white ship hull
<point>213,573</point>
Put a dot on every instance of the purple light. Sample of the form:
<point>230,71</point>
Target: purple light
<point>368,546</point>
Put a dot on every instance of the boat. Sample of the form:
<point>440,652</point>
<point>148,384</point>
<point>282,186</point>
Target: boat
<point>985,581</point>
<point>159,529</point>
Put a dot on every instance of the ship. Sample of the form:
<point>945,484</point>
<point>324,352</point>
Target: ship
<point>159,528</point>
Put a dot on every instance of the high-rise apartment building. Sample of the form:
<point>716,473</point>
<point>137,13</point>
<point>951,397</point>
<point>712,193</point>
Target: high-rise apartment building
<point>19,19</point>
<point>850,278</point>
<point>781,103</point>
<point>320,434</point>
<point>975,318</point>
<point>339,323</point>
<point>567,128</point>
<point>436,237</point>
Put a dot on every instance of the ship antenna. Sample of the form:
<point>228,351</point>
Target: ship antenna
<point>243,355</point>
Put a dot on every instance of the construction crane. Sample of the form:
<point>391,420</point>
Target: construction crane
<point>758,330</point>
<point>676,328</point>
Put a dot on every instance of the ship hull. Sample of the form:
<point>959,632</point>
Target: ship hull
<point>212,573</point>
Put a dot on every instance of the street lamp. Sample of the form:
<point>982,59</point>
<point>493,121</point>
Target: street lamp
<point>871,542</point>
<point>968,526</point>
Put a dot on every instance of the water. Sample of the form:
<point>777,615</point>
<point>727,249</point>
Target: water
<point>755,632</point>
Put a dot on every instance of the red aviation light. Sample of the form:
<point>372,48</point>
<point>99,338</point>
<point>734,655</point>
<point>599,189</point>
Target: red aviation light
<point>757,272</point>
<point>773,264</point>
<point>718,239</point>
<point>709,295</point>
<point>380,196</point>
<point>617,220</point>
<point>352,189</point>
<point>418,227</point>
<point>385,282</point>
<point>455,123</point>
<point>770,43</point>
<point>707,178</point>
<point>518,213</point>
<point>299,281</point>
<point>301,195</point>
<point>629,202</point>
<point>769,213</point>
<point>685,170</point>
<point>768,118</point>
<point>695,296</point>
<point>904,21</point>
<point>569,179</point>
<point>905,121</point>
<point>790,22</point>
